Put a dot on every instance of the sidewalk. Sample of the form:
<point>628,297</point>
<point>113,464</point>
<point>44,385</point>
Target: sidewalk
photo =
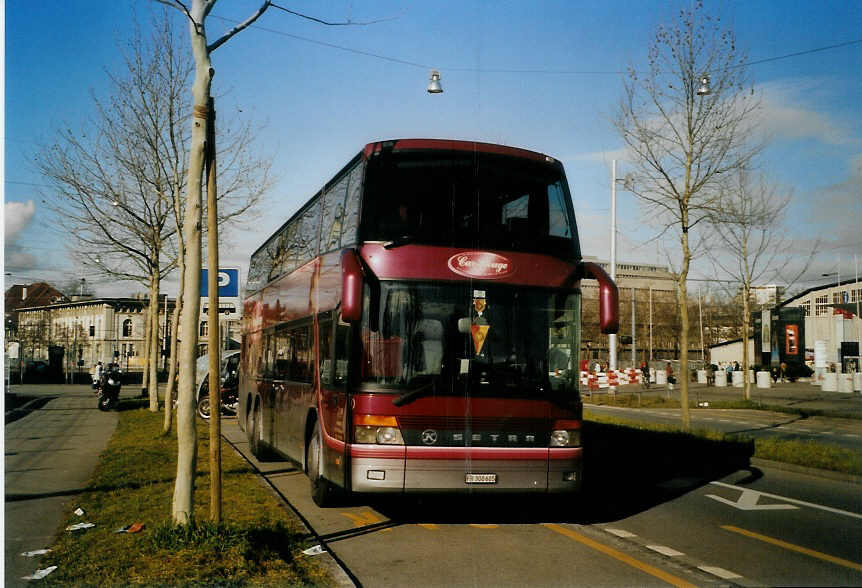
<point>797,395</point>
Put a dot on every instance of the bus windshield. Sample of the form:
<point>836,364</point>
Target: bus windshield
<point>466,199</point>
<point>444,339</point>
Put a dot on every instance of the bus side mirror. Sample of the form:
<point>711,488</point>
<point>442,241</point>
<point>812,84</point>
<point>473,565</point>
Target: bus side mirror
<point>352,278</point>
<point>609,297</point>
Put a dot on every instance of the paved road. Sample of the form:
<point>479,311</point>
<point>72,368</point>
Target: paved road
<point>842,432</point>
<point>801,396</point>
<point>50,454</point>
<point>752,527</point>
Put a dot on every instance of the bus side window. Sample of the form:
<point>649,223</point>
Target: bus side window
<point>268,361</point>
<point>282,355</point>
<point>302,366</point>
<point>342,335</point>
<point>325,352</point>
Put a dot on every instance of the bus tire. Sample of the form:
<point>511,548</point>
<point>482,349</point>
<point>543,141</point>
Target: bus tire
<point>253,427</point>
<point>322,491</point>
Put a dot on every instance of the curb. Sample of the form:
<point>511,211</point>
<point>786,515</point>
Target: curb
<point>339,572</point>
<point>798,469</point>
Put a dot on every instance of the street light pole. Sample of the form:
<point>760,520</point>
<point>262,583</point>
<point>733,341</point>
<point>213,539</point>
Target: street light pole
<point>612,339</point>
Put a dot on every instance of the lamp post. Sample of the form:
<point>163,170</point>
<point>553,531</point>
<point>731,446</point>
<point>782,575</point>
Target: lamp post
<point>627,185</point>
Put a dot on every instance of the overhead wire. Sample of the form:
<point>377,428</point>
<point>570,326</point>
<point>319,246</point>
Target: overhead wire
<point>484,70</point>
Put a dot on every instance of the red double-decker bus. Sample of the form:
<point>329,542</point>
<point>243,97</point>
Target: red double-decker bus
<point>415,326</point>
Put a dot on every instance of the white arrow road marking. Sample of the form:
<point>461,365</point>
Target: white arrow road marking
<point>777,497</point>
<point>748,501</point>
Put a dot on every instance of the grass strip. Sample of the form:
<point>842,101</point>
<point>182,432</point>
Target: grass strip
<point>630,399</point>
<point>259,542</point>
<point>813,454</point>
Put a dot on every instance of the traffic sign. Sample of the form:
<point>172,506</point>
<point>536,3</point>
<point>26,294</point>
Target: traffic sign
<point>228,282</point>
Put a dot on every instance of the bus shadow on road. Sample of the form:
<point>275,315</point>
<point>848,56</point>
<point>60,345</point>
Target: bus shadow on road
<point>626,471</point>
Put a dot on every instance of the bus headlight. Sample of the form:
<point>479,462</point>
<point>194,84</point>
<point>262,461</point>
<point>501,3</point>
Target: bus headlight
<point>566,434</point>
<point>382,430</point>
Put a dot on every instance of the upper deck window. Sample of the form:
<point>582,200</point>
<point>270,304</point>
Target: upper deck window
<point>474,200</point>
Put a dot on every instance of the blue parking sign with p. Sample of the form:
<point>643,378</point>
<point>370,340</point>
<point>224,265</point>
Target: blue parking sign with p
<point>228,283</point>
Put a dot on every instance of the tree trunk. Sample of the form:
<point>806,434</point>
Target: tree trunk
<point>683,334</point>
<point>171,391</point>
<point>183,500</point>
<point>213,319</point>
<point>153,360</point>
<point>746,320</point>
<point>145,373</point>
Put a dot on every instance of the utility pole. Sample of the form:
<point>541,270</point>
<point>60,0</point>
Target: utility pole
<point>634,339</point>
<point>612,339</point>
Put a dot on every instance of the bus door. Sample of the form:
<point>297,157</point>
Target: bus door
<point>333,341</point>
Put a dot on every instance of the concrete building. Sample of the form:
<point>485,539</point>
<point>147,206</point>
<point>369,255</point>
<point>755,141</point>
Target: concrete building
<point>649,290</point>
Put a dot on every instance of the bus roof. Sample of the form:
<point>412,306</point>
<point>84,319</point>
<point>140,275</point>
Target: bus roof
<point>452,145</point>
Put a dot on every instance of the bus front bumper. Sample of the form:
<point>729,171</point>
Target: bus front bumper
<point>377,468</point>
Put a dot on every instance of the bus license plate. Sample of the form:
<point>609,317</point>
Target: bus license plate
<point>481,479</point>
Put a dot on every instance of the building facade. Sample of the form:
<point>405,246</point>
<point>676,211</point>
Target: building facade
<point>71,337</point>
<point>833,327</point>
<point>649,313</point>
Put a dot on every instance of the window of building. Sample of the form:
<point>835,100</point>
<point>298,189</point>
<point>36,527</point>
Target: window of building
<point>806,306</point>
<point>92,330</point>
<point>821,307</point>
<point>127,328</point>
<point>204,329</point>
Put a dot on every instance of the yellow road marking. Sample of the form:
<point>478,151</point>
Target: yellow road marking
<point>824,556</point>
<point>364,518</point>
<point>478,526</point>
<point>618,555</point>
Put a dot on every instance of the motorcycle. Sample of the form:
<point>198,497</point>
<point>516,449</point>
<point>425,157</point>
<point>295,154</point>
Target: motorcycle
<point>109,388</point>
<point>229,392</point>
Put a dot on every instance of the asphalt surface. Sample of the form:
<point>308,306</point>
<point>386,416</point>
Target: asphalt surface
<point>53,446</point>
<point>51,452</point>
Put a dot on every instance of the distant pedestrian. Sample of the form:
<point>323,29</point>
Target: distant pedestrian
<point>668,370</point>
<point>782,371</point>
<point>645,375</point>
<point>736,367</point>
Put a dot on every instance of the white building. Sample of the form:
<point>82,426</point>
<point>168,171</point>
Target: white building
<point>72,336</point>
<point>831,317</point>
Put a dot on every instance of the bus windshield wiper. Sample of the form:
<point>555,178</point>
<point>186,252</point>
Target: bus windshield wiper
<point>415,393</point>
<point>399,241</point>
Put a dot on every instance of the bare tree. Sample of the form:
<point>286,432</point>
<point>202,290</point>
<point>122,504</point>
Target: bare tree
<point>747,224</point>
<point>683,138</point>
<point>183,500</point>
<point>118,182</point>
<point>113,182</point>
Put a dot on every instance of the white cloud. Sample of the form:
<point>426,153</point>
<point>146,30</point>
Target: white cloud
<point>18,260</point>
<point>17,215</point>
<point>785,113</point>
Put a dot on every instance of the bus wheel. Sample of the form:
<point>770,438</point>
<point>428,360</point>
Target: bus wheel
<point>253,427</point>
<point>321,490</point>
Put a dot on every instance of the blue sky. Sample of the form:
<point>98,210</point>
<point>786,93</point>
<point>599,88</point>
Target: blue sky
<point>320,104</point>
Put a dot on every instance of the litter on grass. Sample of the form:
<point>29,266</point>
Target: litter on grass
<point>36,552</point>
<point>79,511</point>
<point>79,526</point>
<point>133,528</point>
<point>316,550</point>
<point>39,574</point>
